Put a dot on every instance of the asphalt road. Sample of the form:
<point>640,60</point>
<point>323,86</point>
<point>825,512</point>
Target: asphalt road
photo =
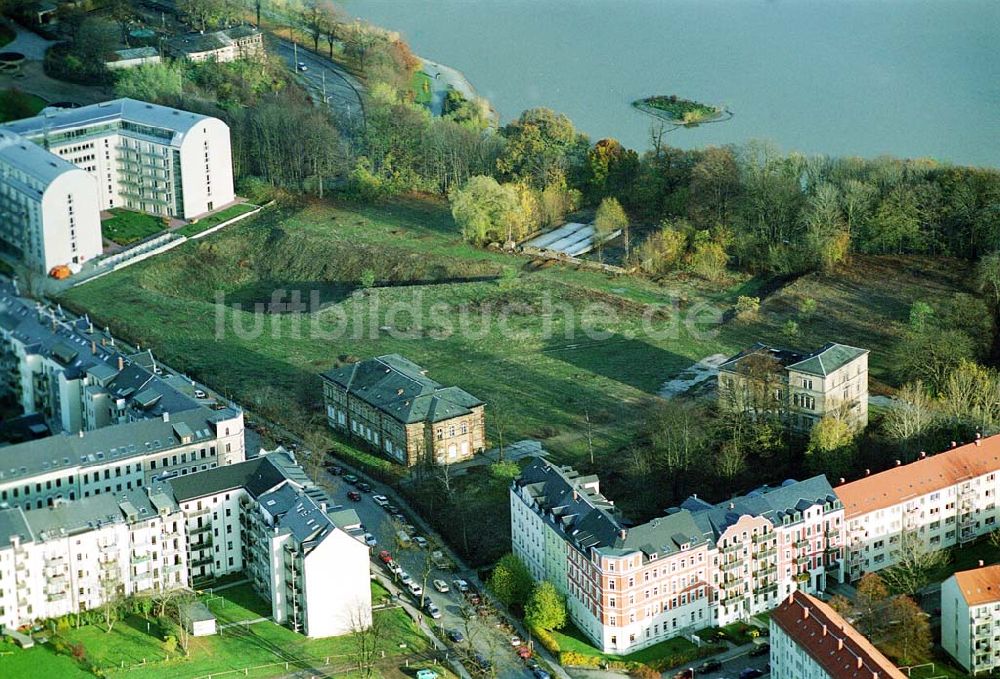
<point>731,668</point>
<point>481,635</point>
<point>325,78</point>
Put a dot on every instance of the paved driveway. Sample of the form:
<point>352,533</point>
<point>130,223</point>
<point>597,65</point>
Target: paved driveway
<point>31,45</point>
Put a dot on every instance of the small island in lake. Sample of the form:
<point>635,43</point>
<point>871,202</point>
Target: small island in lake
<point>681,111</point>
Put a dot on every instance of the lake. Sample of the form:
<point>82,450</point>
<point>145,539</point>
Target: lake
<point>910,78</point>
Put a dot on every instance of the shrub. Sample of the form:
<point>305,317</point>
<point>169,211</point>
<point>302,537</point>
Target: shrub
<point>545,638</point>
<point>790,328</point>
<point>574,659</point>
<point>747,307</point>
<point>641,671</point>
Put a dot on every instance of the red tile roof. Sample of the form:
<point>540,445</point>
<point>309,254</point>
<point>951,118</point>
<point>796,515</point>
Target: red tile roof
<point>842,651</point>
<point>907,481</point>
<point>979,586</point>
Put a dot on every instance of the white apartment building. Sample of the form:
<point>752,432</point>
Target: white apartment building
<point>266,518</point>
<point>145,157</point>
<point>940,500</point>
<point>49,209</point>
<point>809,640</point>
<point>72,556</point>
<point>117,459</point>
<point>74,375</point>
<point>970,618</point>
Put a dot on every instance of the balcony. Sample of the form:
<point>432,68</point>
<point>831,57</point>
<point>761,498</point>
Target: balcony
<point>766,553</point>
<point>56,596</point>
<point>139,558</point>
<point>199,529</point>
<point>204,561</point>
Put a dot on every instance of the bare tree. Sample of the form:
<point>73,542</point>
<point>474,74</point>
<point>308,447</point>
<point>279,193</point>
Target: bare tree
<point>590,435</point>
<point>162,599</point>
<point>500,416</point>
<point>914,565</point>
<point>367,634</point>
<point>911,416</point>
<point>179,614</point>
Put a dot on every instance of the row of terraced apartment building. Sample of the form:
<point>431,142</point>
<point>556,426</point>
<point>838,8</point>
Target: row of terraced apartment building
<point>704,564</point>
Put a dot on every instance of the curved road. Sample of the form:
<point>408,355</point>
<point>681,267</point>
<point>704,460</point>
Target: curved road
<point>324,77</point>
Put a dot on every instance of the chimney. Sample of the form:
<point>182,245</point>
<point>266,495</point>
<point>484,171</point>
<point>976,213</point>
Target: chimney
<point>732,505</point>
<point>399,392</point>
<point>93,347</point>
<point>954,445</point>
<point>978,441</point>
<point>824,629</point>
<point>841,480</point>
<point>576,495</point>
<point>166,417</point>
<point>981,564</point>
<point>923,454</point>
<point>805,612</point>
<point>80,434</point>
<point>840,644</point>
<point>121,363</point>
<point>978,435</point>
<point>860,662</point>
<point>868,472</point>
<point>622,533</point>
<point>898,463</point>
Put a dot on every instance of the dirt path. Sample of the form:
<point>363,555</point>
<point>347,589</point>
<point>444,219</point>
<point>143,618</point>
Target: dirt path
<point>704,369</point>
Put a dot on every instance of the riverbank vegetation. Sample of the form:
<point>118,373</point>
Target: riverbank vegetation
<point>675,109</point>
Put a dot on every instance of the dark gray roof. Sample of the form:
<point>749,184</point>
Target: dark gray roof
<point>825,360</point>
<point>774,504</point>
<point>258,476</point>
<point>24,155</point>
<point>401,389</point>
<point>195,43</point>
<point>830,358</point>
<point>573,504</point>
<point>108,443</point>
<point>296,512</point>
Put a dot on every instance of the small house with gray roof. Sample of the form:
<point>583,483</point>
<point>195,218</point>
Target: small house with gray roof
<point>390,403</point>
<point>802,388</point>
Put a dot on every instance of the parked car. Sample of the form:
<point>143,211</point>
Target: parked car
<point>483,663</point>
<point>334,469</point>
<point>370,540</point>
<point>760,649</point>
<point>751,673</point>
<point>687,673</point>
<point>441,586</point>
<point>420,541</point>
<point>540,673</point>
<point>523,652</point>
<point>351,479</point>
<point>392,509</point>
<point>432,609</point>
<point>404,577</point>
<point>427,674</point>
<point>456,636</point>
<point>395,568</point>
<point>198,393</point>
<point>415,589</point>
<point>302,66</point>
<point>354,496</point>
<point>710,666</point>
<point>461,585</point>
<point>384,556</point>
<point>515,641</point>
<point>364,487</point>
<point>380,500</point>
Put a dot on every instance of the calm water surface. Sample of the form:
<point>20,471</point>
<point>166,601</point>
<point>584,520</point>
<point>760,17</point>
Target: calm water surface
<point>846,77</point>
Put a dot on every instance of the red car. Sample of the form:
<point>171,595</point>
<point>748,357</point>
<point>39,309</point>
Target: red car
<point>524,652</point>
<point>354,496</point>
<point>384,556</point>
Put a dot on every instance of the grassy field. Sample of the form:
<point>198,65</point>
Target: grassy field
<point>130,650</point>
<point>569,356</point>
<point>15,104</point>
<point>222,215</point>
<point>126,227</point>
<point>421,86</point>
<point>571,639</point>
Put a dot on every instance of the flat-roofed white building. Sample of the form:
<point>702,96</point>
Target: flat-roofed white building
<point>75,555</point>
<point>145,157</point>
<point>970,618</point>
<point>49,209</point>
